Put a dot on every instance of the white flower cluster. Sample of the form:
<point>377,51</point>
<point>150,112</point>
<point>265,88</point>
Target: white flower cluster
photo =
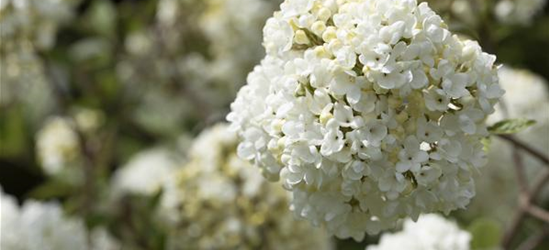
<point>226,203</point>
<point>57,145</point>
<point>368,111</point>
<point>430,232</point>
<point>28,26</point>
<point>527,96</point>
<point>37,225</point>
<point>233,28</point>
<point>146,173</point>
<point>518,11</point>
<point>200,48</point>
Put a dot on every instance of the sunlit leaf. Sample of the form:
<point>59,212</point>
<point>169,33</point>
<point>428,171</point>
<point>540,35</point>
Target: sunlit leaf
<point>486,234</point>
<point>511,126</point>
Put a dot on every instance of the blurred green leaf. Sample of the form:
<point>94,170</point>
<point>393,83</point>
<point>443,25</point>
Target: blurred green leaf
<point>486,234</point>
<point>102,18</point>
<point>12,132</point>
<point>53,188</point>
<point>510,126</point>
<point>486,143</point>
<point>90,48</point>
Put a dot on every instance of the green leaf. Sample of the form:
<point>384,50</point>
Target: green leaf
<point>12,132</point>
<point>102,17</point>
<point>510,126</point>
<point>53,188</point>
<point>486,234</point>
<point>486,143</point>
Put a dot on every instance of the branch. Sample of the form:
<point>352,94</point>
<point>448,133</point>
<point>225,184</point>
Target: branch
<point>538,213</point>
<point>527,148</point>
<point>534,240</point>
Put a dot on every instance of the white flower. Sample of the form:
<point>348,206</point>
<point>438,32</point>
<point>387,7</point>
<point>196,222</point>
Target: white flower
<point>58,142</point>
<point>376,112</point>
<point>146,173</point>
<point>37,225</point>
<point>226,203</point>
<point>430,232</point>
<point>411,156</point>
<point>333,139</point>
<point>28,27</point>
<point>57,145</point>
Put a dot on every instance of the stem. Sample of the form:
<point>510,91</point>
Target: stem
<point>534,152</point>
<point>526,195</point>
<point>534,240</point>
<point>538,212</point>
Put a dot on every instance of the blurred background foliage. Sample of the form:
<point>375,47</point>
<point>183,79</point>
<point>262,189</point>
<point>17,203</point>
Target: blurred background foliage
<point>130,75</point>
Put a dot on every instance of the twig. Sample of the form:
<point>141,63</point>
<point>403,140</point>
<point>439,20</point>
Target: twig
<point>534,240</point>
<point>519,171</point>
<point>513,229</point>
<point>536,188</point>
<point>527,148</point>
<point>523,198</point>
<point>526,195</point>
<point>538,213</point>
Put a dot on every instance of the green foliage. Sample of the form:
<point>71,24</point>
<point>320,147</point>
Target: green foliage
<point>102,18</point>
<point>510,126</point>
<point>52,188</point>
<point>12,133</point>
<point>486,234</point>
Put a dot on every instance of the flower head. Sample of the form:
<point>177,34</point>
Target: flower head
<point>368,111</point>
<point>430,232</point>
<point>41,225</point>
<point>224,202</point>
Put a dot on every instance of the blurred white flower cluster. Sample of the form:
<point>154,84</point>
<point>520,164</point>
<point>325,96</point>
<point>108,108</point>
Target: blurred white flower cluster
<point>58,145</point>
<point>38,225</point>
<point>28,27</point>
<point>527,97</point>
<point>148,173</point>
<point>233,30</point>
<point>518,11</point>
<point>430,232</point>
<point>226,44</point>
<point>226,204</point>
<point>368,111</point>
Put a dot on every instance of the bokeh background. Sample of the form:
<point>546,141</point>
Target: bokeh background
<point>89,88</point>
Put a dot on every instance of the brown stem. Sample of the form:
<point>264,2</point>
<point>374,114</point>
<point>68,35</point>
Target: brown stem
<point>536,188</point>
<point>526,195</point>
<point>538,212</point>
<point>534,240</point>
<point>534,152</point>
<point>519,171</point>
<point>513,229</point>
<point>523,199</point>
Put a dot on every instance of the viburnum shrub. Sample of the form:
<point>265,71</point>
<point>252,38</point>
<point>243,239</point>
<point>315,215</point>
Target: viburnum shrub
<point>368,111</point>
